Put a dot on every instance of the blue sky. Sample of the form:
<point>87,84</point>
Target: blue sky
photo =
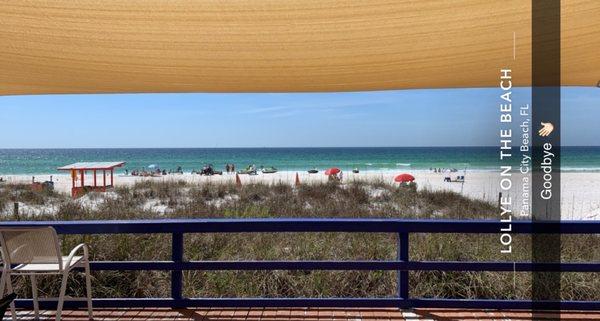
<point>442,117</point>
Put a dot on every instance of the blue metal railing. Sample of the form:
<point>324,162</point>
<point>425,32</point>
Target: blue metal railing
<point>403,228</point>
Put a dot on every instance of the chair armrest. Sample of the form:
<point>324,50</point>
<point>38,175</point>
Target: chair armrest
<point>74,251</point>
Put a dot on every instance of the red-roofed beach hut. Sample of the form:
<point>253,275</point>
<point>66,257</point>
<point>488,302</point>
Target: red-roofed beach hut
<point>79,169</point>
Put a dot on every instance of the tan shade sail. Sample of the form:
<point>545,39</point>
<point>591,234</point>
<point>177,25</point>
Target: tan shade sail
<point>109,46</point>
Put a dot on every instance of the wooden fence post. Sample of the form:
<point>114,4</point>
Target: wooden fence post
<point>16,211</point>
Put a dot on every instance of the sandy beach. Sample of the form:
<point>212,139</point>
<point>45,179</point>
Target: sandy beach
<point>580,195</point>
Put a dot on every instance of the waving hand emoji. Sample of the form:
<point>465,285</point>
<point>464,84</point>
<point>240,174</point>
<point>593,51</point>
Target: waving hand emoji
<point>547,128</point>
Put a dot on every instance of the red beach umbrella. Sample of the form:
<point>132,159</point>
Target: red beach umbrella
<point>332,171</point>
<point>403,178</point>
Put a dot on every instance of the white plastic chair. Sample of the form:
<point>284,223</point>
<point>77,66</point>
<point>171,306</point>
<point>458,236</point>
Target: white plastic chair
<point>9,289</point>
<point>36,251</point>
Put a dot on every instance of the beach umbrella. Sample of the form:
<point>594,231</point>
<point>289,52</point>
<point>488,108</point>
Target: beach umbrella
<point>152,166</point>
<point>332,171</point>
<point>404,178</point>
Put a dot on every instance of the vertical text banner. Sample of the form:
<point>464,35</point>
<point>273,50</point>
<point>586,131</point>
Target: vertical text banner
<point>545,185</point>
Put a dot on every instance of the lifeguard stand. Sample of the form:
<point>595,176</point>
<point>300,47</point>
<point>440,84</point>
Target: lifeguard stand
<point>80,169</point>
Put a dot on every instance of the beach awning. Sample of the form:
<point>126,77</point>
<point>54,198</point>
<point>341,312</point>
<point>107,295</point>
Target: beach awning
<point>91,166</point>
<point>115,46</point>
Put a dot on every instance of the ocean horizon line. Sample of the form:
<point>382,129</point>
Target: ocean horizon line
<point>274,147</point>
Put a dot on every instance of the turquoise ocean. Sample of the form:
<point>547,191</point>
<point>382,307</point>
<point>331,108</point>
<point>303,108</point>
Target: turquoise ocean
<point>45,161</point>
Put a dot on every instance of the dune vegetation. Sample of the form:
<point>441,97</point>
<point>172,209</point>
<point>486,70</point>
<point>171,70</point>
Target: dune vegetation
<point>177,199</point>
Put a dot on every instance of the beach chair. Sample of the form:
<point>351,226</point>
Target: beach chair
<point>7,300</point>
<point>36,251</point>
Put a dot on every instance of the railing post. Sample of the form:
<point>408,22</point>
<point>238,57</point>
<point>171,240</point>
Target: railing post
<point>403,274</point>
<point>177,257</point>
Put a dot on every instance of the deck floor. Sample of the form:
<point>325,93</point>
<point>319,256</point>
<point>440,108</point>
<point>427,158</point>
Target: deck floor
<point>297,314</point>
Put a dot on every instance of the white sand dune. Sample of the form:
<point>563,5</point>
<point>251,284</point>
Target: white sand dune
<point>580,192</point>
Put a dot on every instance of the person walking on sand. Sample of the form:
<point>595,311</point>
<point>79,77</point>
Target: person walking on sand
<point>227,168</point>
